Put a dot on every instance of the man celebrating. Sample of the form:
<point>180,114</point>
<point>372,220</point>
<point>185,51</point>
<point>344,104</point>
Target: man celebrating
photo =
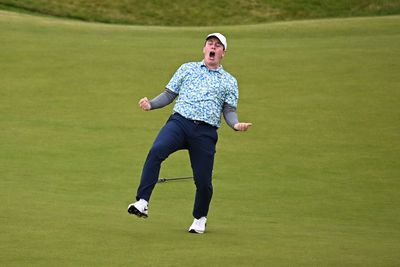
<point>204,91</point>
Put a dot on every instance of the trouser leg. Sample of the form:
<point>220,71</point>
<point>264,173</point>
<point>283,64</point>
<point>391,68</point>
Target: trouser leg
<point>170,139</point>
<point>201,152</point>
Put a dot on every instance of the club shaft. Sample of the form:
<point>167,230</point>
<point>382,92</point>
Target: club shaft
<point>161,180</point>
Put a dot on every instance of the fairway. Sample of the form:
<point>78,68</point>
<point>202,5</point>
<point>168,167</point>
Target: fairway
<point>314,182</point>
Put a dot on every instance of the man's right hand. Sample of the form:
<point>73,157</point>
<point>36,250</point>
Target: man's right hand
<point>144,103</point>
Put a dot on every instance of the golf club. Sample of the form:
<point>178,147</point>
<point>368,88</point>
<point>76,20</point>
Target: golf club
<point>163,180</point>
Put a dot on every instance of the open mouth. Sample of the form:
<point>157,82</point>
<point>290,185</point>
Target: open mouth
<point>212,54</point>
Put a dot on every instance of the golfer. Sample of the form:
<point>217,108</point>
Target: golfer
<point>204,91</point>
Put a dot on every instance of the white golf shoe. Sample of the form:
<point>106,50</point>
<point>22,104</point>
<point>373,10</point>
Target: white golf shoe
<point>139,208</point>
<point>198,226</point>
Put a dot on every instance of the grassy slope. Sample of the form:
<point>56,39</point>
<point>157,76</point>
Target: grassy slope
<point>314,183</point>
<point>201,12</point>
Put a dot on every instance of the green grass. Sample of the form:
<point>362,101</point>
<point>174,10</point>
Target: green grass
<point>314,183</point>
<point>202,12</point>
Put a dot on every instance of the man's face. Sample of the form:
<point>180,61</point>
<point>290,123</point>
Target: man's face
<point>213,52</point>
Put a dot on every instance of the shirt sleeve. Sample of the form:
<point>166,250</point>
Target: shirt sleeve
<point>232,95</point>
<point>175,83</point>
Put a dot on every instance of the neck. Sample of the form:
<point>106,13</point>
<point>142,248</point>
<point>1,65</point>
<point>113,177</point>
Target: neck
<point>212,66</point>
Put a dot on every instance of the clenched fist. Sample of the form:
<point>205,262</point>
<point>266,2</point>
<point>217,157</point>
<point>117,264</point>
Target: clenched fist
<point>242,126</point>
<point>144,103</point>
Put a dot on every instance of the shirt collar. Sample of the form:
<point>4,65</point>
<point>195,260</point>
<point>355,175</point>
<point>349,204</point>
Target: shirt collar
<point>220,69</point>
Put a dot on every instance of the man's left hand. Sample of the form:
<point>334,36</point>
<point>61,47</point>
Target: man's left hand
<point>242,126</point>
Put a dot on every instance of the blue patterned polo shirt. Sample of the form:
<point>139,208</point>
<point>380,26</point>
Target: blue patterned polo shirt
<point>202,92</point>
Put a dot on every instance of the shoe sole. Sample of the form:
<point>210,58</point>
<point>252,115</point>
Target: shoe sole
<point>133,210</point>
<point>195,232</point>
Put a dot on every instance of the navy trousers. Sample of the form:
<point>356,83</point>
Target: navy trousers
<point>200,140</point>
